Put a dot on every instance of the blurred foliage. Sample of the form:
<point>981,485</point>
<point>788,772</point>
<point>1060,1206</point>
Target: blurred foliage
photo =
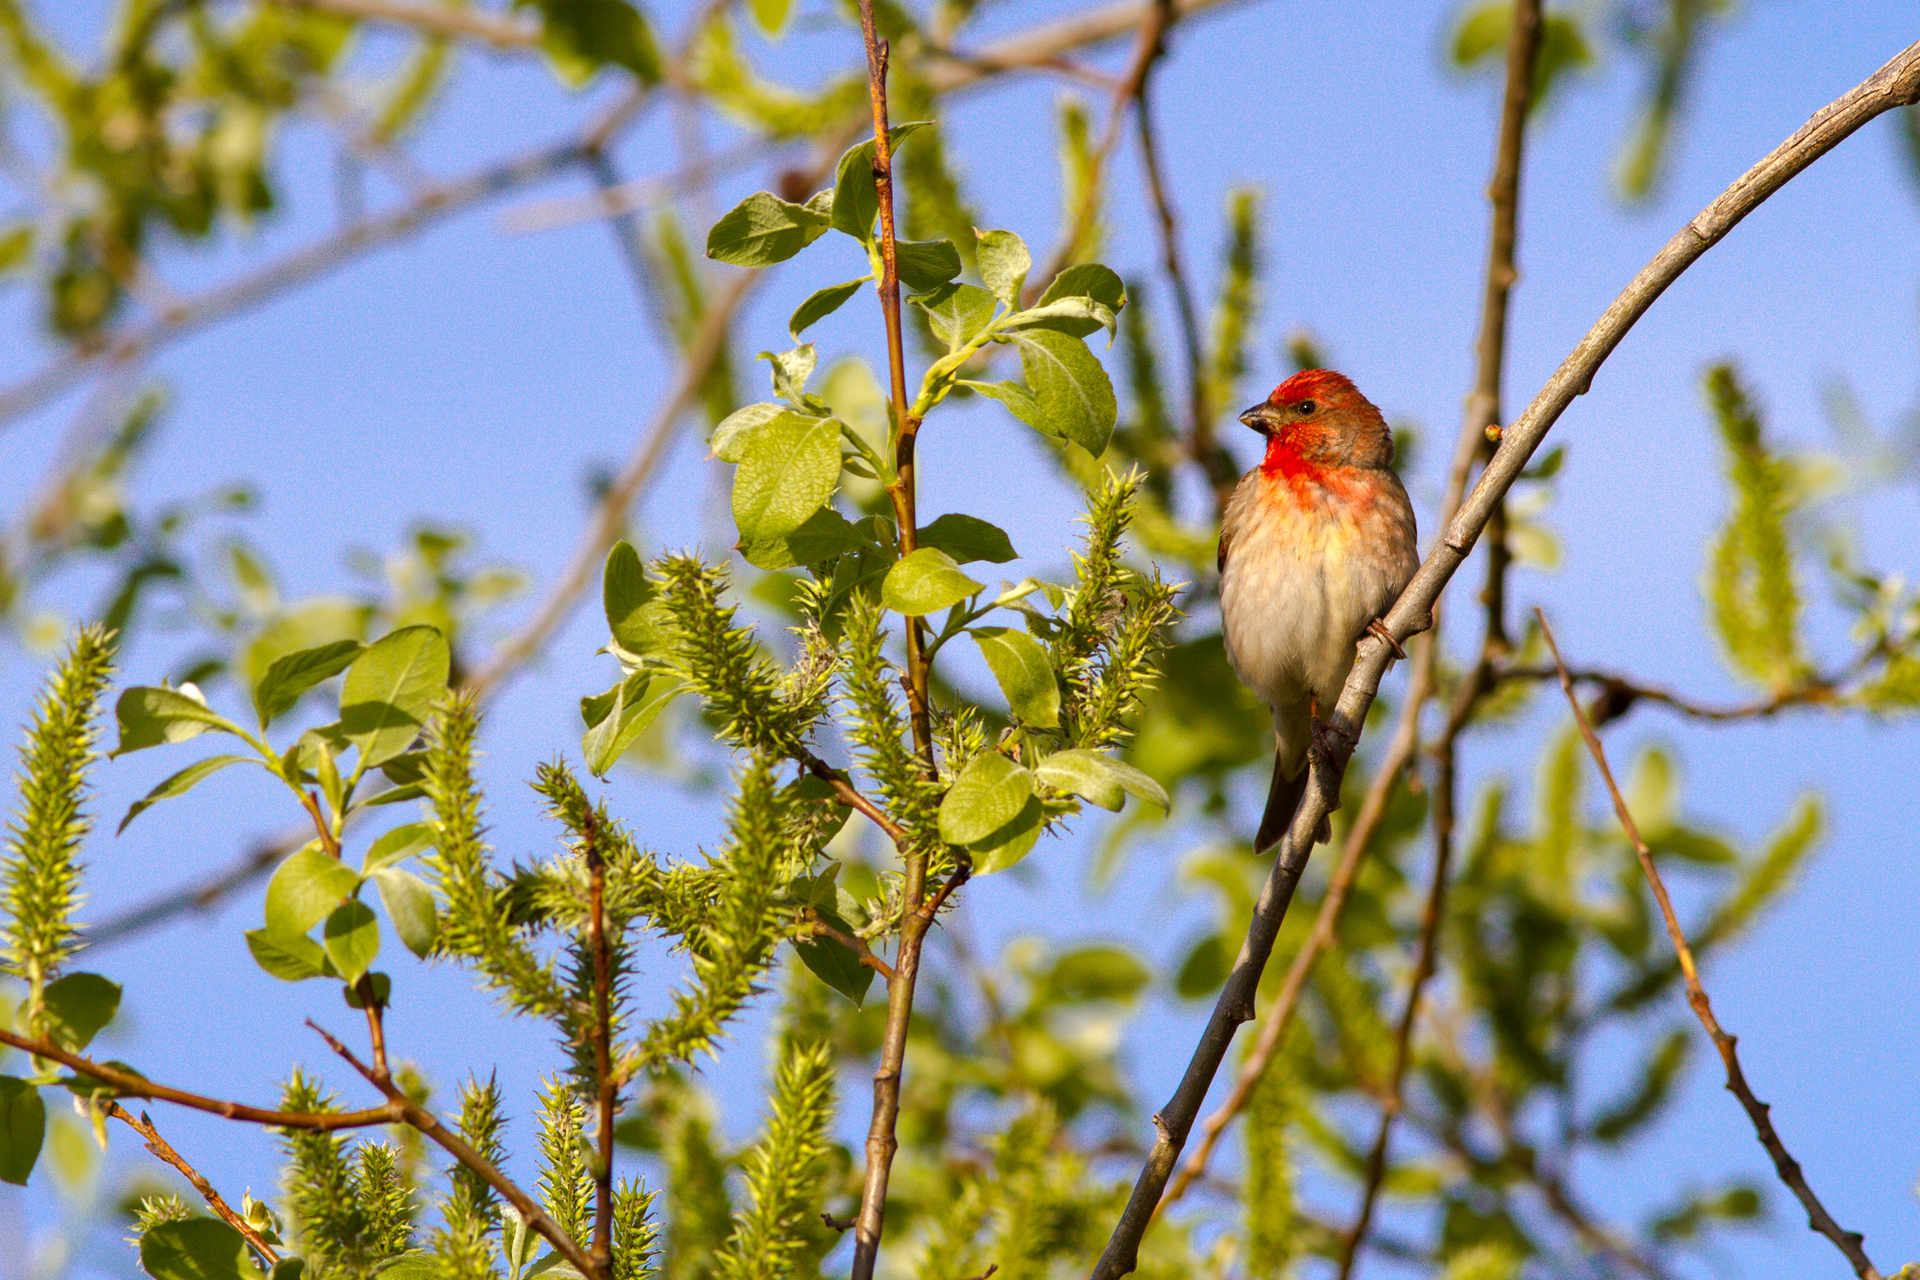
<point>1020,1126</point>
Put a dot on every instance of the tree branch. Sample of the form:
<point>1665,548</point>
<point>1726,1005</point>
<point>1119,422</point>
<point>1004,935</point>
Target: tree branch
<point>1896,84</point>
<point>412,1113</point>
<point>162,1149</point>
<point>1818,1219</point>
<point>608,1100</point>
<point>127,1084</point>
<point>431,19</point>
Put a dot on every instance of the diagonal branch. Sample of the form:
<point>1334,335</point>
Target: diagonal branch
<point>1818,1219</point>
<point>1896,84</point>
<point>163,1150</point>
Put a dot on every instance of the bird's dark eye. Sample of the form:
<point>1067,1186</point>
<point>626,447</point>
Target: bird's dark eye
<point>1305,407</point>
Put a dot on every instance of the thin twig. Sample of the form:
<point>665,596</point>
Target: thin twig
<point>412,1113</point>
<point>349,243</point>
<point>1818,1219</point>
<point>608,1100</point>
<point>126,1084</point>
<point>434,19</point>
<point>1431,915</point>
<point>881,1142</point>
<point>852,942</point>
<point>610,517</point>
<point>1148,45</point>
<point>853,798</point>
<point>164,1150</point>
<point>1896,84</point>
<point>1041,46</point>
<point>1202,445</point>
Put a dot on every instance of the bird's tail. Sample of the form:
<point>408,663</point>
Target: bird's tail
<point>1283,798</point>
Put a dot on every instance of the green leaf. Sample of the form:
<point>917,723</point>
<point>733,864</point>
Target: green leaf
<point>409,904</point>
<point>625,593</point>
<point>304,889</point>
<point>180,783</point>
<point>617,718</point>
<point>351,939</point>
<point>1075,398</point>
<point>989,794</point>
<point>289,957</point>
<point>294,673</point>
<point>967,538</point>
<point>771,15</point>
<point>790,371</point>
<point>1096,973</point>
<point>1075,317</point>
<point>1204,969</point>
<point>397,845</point>
<point>1098,778</point>
<point>1018,399</point>
<point>1025,675</point>
<point>956,312</point>
<point>762,230</point>
<point>151,716</point>
<point>825,535</point>
<point>1011,843</point>
<point>925,581</point>
<point>856,200</point>
<point>736,431</point>
<point>835,963</point>
<point>1004,263</point>
<point>382,991</point>
<point>390,691</point>
<point>77,1006</point>
<point>789,472</point>
<point>820,303</point>
<point>925,264</point>
<point>23,1127</point>
<point>196,1249</point>
<point>1088,280</point>
<point>581,36</point>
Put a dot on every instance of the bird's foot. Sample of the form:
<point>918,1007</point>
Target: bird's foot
<point>1328,741</point>
<point>1378,630</point>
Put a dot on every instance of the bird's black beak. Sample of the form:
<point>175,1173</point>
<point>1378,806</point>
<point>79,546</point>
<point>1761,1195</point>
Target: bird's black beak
<point>1263,417</point>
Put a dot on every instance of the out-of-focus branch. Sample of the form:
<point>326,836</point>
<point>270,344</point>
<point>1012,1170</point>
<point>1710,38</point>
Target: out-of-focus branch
<point>1147,48</point>
<point>1043,45</point>
<point>353,241</point>
<point>610,517</point>
<point>1895,84</point>
<point>433,19</point>
<point>1818,1219</point>
<point>163,1150</point>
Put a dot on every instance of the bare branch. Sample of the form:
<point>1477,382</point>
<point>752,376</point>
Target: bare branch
<point>433,19</point>
<point>1818,1219</point>
<point>126,1084</point>
<point>1896,84</point>
<point>163,1150</point>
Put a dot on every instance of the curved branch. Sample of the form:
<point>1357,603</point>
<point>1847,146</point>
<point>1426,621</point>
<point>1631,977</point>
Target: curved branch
<point>1896,84</point>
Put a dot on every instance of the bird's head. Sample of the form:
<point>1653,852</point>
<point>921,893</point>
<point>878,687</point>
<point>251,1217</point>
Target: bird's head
<point>1319,417</point>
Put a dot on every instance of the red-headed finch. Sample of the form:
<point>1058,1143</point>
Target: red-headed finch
<point>1318,541</point>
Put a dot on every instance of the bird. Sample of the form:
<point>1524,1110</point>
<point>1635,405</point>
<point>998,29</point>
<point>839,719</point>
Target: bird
<point>1316,543</point>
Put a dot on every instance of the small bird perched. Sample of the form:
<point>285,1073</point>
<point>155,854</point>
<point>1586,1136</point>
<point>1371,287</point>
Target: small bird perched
<point>1317,542</point>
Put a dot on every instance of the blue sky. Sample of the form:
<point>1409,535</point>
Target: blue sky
<point>477,377</point>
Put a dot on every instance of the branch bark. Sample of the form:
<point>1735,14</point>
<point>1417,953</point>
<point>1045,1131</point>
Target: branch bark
<point>1818,1219</point>
<point>163,1150</point>
<point>1896,84</point>
<point>431,19</point>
